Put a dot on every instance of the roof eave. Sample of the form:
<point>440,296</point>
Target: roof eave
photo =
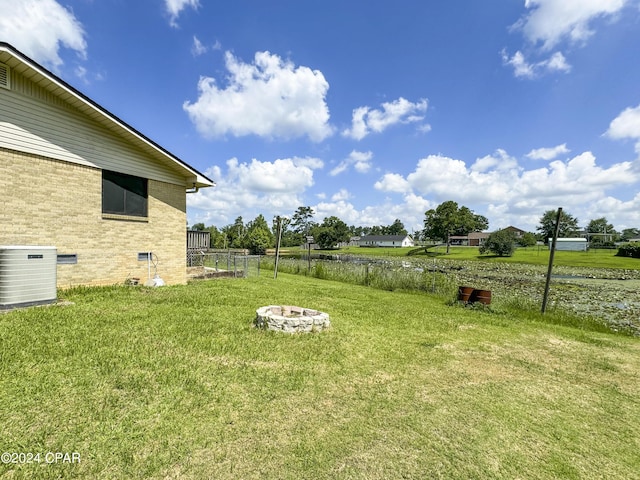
<point>52,82</point>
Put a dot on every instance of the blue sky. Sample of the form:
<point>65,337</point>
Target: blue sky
<point>367,110</point>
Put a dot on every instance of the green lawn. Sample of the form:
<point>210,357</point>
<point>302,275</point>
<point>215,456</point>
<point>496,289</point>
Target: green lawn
<point>538,255</point>
<point>175,383</point>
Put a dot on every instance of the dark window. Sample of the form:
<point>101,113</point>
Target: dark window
<point>124,194</point>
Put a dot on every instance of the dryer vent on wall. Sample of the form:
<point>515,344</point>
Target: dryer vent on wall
<point>27,276</point>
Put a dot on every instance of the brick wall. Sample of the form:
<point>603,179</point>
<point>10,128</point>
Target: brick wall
<point>50,202</point>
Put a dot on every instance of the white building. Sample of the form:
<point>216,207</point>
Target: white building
<point>386,241</point>
<point>570,244</point>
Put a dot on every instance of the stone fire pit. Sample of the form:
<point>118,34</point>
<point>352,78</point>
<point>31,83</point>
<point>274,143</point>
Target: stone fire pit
<point>291,319</point>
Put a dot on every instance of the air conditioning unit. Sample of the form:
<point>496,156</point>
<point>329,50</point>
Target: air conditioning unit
<point>27,276</point>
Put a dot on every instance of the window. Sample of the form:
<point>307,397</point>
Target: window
<point>124,194</point>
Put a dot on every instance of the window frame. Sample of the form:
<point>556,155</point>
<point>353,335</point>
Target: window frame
<point>124,195</point>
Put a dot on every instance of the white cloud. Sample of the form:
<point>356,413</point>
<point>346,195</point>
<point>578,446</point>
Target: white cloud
<point>361,162</point>
<point>622,214</point>
<point>504,189</point>
<point>368,216</point>
<point>549,22</point>
<point>40,28</point>
<point>393,182</point>
<point>175,7</point>
<point>410,210</point>
<point>342,194</point>
<point>578,177</point>
<point>500,160</point>
<point>269,98</point>
<point>342,209</point>
<point>522,68</point>
<point>248,189</point>
<point>288,175</point>
<point>547,153</point>
<point>494,186</point>
<point>198,48</point>
<point>556,62</point>
<point>366,120</point>
<point>625,125</point>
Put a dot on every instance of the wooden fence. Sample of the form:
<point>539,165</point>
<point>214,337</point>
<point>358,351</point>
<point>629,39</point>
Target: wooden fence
<point>197,240</point>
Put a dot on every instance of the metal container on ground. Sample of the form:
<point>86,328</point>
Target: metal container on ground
<point>481,296</point>
<point>465,293</point>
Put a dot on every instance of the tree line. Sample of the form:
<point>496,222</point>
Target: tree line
<point>257,235</point>
<point>440,224</point>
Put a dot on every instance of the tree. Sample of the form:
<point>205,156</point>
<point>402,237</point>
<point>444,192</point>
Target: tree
<point>217,237</point>
<point>629,233</point>
<point>258,236</point>
<point>330,232</point>
<point>235,234</point>
<point>288,238</point>
<point>258,240</point>
<point>528,239</point>
<point>447,219</point>
<point>198,226</point>
<point>605,233</point>
<point>302,219</point>
<point>396,228</point>
<point>501,242</point>
<point>568,225</point>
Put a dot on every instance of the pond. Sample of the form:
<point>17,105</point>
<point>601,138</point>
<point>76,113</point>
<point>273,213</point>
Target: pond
<point>611,295</point>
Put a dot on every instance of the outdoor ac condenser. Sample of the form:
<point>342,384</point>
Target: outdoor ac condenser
<point>27,276</point>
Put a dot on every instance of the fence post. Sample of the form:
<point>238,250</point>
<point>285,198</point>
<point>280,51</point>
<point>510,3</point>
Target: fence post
<point>550,267</point>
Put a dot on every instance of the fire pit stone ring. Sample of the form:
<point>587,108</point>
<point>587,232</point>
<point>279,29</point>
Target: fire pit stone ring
<point>291,319</point>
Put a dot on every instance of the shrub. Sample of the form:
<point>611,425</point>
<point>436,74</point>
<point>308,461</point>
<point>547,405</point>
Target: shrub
<point>528,239</point>
<point>501,242</point>
<point>631,249</point>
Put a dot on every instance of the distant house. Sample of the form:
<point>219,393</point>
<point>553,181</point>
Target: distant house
<point>386,241</point>
<point>353,242</point>
<point>570,244</point>
<point>76,177</point>
<point>473,239</point>
<point>517,232</point>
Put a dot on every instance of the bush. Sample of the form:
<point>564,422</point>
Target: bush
<point>259,241</point>
<point>528,239</point>
<point>631,249</point>
<point>502,243</point>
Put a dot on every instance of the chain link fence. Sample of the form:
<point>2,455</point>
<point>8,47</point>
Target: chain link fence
<point>227,264</point>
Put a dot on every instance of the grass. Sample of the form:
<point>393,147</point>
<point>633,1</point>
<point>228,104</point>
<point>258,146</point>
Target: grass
<point>175,383</point>
<point>538,255</point>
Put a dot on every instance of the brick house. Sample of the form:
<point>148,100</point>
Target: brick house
<point>517,232</point>
<point>74,176</point>
<point>473,239</point>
